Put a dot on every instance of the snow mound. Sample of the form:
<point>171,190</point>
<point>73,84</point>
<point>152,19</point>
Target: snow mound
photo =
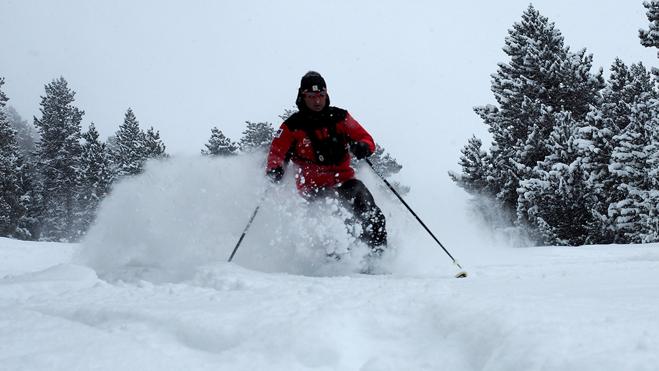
<point>19,257</point>
<point>59,272</point>
<point>59,278</point>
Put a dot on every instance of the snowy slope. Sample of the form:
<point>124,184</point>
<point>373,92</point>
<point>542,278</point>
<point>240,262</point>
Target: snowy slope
<point>149,290</point>
<point>548,309</point>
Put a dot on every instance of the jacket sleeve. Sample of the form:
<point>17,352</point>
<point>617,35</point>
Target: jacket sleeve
<point>280,146</point>
<point>357,133</point>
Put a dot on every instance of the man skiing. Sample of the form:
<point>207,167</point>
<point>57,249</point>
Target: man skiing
<point>317,139</point>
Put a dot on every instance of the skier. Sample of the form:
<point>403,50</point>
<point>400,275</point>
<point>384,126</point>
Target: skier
<point>317,139</point>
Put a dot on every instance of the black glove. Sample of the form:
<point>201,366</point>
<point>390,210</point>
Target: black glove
<point>276,174</point>
<point>360,150</point>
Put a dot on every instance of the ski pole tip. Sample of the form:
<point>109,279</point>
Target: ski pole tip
<point>461,274</point>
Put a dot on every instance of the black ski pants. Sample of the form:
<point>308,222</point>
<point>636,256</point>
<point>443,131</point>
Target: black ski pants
<point>354,196</point>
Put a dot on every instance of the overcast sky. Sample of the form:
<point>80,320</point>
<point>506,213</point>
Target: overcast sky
<point>409,71</point>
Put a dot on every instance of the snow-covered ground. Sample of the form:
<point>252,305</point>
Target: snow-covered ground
<point>149,289</point>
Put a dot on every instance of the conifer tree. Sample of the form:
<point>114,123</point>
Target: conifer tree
<point>153,146</point>
<point>631,159</point>
<point>650,38</point>
<point>474,164</point>
<point>58,159</point>
<point>29,225</point>
<point>128,152</point>
<point>650,227</point>
<point>552,198</point>
<point>542,77</point>
<point>257,136</point>
<point>636,103</point>
<point>628,165</point>
<point>219,144</point>
<point>542,90</point>
<point>10,190</point>
<point>95,177</point>
<point>25,133</point>
<point>595,136</point>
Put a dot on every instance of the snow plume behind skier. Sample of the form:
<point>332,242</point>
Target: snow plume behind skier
<point>187,212</point>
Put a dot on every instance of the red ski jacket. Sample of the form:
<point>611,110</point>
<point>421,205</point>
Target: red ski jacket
<point>318,148</point>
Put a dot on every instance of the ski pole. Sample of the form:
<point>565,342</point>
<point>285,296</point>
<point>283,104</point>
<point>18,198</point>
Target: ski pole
<point>462,272</point>
<point>242,236</point>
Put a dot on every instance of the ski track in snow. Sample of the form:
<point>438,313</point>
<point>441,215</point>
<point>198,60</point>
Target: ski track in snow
<point>148,290</point>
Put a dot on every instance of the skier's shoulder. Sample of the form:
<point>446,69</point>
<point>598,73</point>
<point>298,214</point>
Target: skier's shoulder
<point>338,113</point>
<point>293,122</point>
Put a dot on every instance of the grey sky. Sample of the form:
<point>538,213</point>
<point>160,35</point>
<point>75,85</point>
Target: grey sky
<point>410,72</point>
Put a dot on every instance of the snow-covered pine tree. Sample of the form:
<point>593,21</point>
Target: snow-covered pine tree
<point>58,160</point>
<point>629,164</point>
<point>219,144</point>
<point>542,78</point>
<point>521,87</point>
<point>10,191</point>
<point>257,136</point>
<point>95,177</point>
<point>474,164</point>
<point>595,139</point>
<point>154,148</point>
<point>25,133</point>
<point>29,225</point>
<point>552,198</point>
<point>650,229</point>
<point>127,152</point>
<point>641,86</point>
<point>17,175</point>
<point>594,145</point>
<point>650,38</point>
